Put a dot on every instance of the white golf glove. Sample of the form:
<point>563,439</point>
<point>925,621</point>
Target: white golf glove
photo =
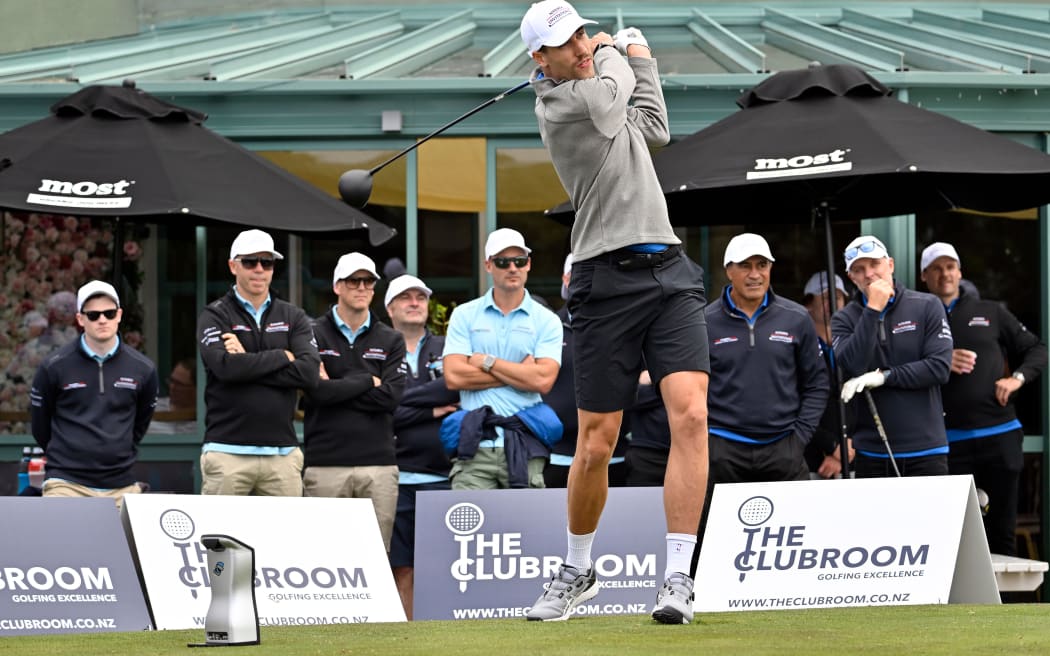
<point>629,36</point>
<point>870,380</point>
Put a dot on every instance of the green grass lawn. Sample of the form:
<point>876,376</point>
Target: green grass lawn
<point>884,630</point>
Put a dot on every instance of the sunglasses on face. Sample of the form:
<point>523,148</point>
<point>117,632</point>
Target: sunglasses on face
<point>505,262</point>
<point>93,315</point>
<point>252,262</point>
<point>367,283</point>
<point>866,247</point>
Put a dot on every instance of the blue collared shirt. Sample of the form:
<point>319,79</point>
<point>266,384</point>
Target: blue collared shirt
<point>345,328</point>
<point>247,305</point>
<point>480,327</point>
<point>95,356</point>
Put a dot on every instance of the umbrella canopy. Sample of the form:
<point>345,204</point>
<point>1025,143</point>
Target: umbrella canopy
<point>120,152</point>
<point>832,137</point>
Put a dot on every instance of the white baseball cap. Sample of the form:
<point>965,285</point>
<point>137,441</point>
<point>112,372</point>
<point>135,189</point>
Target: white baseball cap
<point>504,238</point>
<point>864,246</point>
<point>817,283</point>
<point>550,23</point>
<point>935,250</point>
<point>402,284</point>
<point>253,241</point>
<point>746,245</point>
<point>93,289</point>
<point>351,262</point>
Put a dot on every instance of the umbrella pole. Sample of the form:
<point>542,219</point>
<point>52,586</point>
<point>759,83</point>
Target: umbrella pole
<point>823,212</point>
<point>117,272</point>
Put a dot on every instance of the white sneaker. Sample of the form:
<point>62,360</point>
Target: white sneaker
<point>569,588</point>
<point>674,603</point>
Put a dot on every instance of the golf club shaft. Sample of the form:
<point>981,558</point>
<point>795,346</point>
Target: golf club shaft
<point>882,430</point>
<point>490,101</point>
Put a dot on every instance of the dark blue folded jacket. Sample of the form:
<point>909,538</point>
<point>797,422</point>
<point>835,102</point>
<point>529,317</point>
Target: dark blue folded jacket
<point>527,434</point>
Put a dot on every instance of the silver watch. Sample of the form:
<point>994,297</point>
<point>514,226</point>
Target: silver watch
<point>1019,376</point>
<point>488,362</point>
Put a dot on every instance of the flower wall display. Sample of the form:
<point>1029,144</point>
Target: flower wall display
<point>44,259</point>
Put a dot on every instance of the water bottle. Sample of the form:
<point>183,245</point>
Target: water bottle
<point>37,465</point>
<point>23,469</point>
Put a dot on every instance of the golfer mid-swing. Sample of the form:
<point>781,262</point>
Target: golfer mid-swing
<point>633,293</point>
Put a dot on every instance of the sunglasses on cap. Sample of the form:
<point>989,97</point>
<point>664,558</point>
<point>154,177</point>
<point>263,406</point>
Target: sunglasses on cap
<point>252,262</point>
<point>93,315</point>
<point>865,247</point>
<point>505,262</point>
<point>367,282</point>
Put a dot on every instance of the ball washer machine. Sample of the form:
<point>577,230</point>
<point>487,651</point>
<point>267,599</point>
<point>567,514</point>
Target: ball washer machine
<point>233,617</point>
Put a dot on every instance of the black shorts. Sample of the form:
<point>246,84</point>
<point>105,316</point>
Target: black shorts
<point>634,311</point>
<point>403,540</point>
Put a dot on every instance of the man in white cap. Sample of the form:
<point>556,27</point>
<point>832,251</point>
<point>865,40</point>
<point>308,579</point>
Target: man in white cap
<point>502,352</point>
<point>348,427</point>
<point>984,434</point>
<point>769,385</point>
<point>600,107</point>
<point>895,342</point>
<point>258,352</point>
<point>422,462</point>
<point>823,454</point>
<point>91,446</point>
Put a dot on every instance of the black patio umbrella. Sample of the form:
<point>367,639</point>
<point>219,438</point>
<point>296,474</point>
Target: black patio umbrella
<point>119,152</point>
<point>830,143</point>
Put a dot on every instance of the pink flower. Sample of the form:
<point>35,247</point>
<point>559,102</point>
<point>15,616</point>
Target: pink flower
<point>132,251</point>
<point>133,339</point>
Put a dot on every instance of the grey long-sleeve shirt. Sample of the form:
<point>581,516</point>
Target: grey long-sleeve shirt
<point>598,132</point>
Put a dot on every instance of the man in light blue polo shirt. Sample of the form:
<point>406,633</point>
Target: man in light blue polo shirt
<point>502,350</point>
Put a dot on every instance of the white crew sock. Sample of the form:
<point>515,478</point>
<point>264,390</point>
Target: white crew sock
<point>580,550</point>
<point>680,548</point>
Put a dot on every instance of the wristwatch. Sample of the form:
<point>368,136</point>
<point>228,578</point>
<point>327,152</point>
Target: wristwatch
<point>1019,376</point>
<point>486,364</point>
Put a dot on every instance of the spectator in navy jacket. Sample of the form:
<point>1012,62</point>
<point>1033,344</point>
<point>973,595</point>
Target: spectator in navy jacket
<point>421,459</point>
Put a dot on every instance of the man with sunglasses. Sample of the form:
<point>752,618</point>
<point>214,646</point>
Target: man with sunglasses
<point>502,352</point>
<point>349,417</point>
<point>897,343</point>
<point>258,352</point>
<point>636,300</point>
<point>92,402</point>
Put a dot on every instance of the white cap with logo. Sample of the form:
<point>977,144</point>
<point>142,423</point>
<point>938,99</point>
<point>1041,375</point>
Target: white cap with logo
<point>93,289</point>
<point>351,262</point>
<point>864,246</point>
<point>818,282</point>
<point>402,284</point>
<point>253,241</point>
<point>935,250</point>
<point>502,239</point>
<point>550,23</point>
<point>746,245</point>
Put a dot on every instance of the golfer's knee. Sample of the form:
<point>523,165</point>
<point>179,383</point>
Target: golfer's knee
<point>594,453</point>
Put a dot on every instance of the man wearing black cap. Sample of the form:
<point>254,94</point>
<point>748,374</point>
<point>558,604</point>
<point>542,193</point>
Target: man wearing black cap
<point>993,356</point>
<point>91,404</point>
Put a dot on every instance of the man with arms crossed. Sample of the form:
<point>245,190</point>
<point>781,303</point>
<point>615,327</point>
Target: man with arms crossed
<point>636,301</point>
<point>258,351</point>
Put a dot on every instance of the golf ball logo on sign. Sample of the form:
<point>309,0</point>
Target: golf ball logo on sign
<point>769,547</point>
<point>464,519</point>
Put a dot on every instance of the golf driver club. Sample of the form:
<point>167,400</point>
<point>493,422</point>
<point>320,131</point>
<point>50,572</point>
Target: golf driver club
<point>355,185</point>
<point>882,430</point>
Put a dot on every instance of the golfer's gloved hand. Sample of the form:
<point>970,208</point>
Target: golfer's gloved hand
<point>870,380</point>
<point>629,36</point>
